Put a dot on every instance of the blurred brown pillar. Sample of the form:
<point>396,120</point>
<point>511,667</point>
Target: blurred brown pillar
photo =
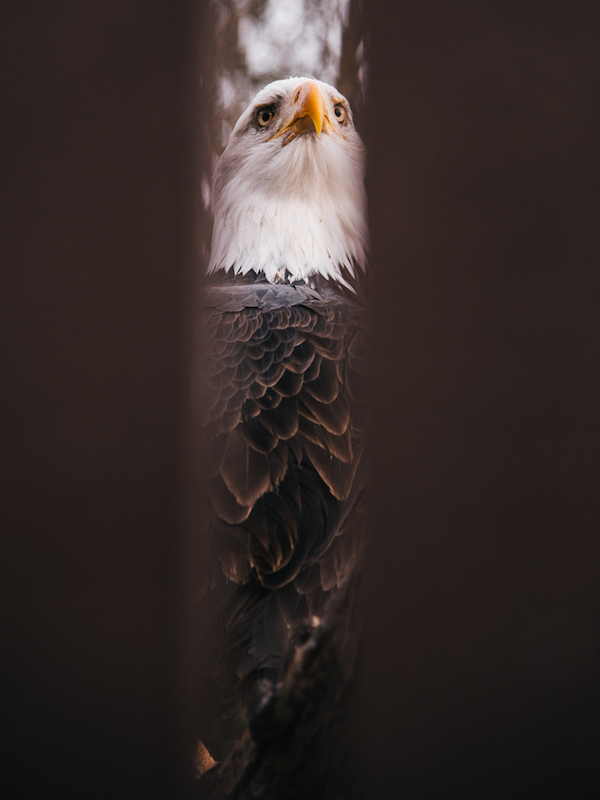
<point>99,179</point>
<point>482,655</point>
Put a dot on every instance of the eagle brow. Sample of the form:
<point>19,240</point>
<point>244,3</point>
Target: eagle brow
<point>264,106</point>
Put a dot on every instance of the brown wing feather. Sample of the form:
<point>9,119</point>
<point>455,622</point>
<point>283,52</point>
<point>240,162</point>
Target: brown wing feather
<point>285,446</point>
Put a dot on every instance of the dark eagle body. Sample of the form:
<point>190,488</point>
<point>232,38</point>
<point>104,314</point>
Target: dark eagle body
<point>287,427</point>
<point>284,327</point>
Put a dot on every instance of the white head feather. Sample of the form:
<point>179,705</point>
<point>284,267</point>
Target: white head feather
<point>290,203</point>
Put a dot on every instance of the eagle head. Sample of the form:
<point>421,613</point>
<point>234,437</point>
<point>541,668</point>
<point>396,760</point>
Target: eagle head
<point>289,199</point>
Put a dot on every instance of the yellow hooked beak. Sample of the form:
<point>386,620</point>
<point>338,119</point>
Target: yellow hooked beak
<point>307,113</point>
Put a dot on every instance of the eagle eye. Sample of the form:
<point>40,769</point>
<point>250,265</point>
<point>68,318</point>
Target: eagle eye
<point>340,112</point>
<point>264,116</point>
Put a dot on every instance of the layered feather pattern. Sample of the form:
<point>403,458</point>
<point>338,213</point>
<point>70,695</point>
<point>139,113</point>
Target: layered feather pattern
<point>286,431</point>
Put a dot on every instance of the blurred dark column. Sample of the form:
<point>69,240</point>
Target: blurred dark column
<point>99,169</point>
<point>482,656</point>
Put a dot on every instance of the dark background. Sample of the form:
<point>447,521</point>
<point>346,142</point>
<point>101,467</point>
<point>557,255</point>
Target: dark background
<point>100,115</point>
<point>481,660</point>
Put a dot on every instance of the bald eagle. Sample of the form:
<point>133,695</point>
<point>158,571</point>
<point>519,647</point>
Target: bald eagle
<point>284,322</point>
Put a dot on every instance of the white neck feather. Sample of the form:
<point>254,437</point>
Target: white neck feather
<point>290,212</point>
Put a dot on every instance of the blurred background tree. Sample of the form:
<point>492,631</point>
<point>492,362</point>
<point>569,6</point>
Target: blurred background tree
<point>259,41</point>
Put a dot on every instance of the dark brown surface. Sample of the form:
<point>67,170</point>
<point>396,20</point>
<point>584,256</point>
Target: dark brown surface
<point>97,215</point>
<point>482,660</point>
